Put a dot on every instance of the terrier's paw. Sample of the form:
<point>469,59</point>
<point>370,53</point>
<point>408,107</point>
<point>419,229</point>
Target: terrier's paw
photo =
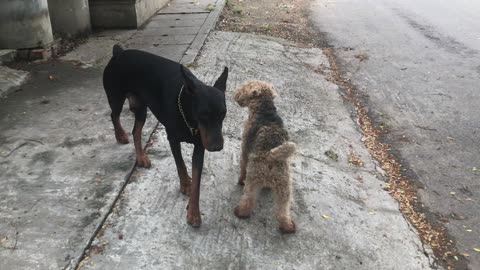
<point>240,214</point>
<point>287,228</point>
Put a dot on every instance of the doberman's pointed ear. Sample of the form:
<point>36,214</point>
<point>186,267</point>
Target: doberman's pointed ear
<point>221,82</point>
<point>191,81</point>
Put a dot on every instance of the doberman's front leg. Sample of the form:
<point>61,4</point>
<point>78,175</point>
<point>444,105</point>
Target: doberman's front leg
<point>193,212</point>
<point>185,180</point>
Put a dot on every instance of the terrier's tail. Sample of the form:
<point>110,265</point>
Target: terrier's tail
<point>282,151</point>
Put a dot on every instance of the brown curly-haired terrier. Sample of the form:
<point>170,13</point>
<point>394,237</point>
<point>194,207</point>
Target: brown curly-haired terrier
<point>265,153</point>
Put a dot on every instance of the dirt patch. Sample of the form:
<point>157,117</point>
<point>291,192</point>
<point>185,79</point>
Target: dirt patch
<point>355,159</point>
<point>68,43</point>
<point>283,19</point>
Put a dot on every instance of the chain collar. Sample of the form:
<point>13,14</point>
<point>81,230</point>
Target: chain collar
<point>194,131</point>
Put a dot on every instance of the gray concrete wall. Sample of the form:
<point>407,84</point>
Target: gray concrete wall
<point>24,24</point>
<point>146,8</point>
<point>71,17</point>
<point>113,14</point>
<point>123,13</point>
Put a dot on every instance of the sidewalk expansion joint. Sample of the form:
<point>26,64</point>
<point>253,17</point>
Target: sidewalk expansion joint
<point>128,178</point>
<point>182,13</point>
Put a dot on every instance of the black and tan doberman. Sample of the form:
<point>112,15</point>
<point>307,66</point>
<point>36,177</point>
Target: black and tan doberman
<point>190,110</point>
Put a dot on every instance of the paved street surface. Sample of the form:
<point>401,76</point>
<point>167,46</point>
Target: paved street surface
<point>345,219</point>
<point>422,79</point>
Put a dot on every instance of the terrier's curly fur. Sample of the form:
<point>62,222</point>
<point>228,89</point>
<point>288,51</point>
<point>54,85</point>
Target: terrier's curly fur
<point>265,153</point>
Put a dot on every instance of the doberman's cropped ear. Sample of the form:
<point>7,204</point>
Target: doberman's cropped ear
<point>191,82</point>
<point>221,83</point>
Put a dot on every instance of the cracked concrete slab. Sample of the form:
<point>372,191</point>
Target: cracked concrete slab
<point>176,22</point>
<point>181,16</point>
<point>11,80</point>
<point>97,50</point>
<point>155,31</point>
<point>60,167</point>
<point>140,40</point>
<point>345,219</point>
<point>177,35</point>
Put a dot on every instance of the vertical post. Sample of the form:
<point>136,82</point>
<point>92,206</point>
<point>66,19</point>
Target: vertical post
<point>24,24</point>
<point>70,17</point>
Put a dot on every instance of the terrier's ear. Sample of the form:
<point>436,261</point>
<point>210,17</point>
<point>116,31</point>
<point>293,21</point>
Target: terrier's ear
<point>221,83</point>
<point>191,82</point>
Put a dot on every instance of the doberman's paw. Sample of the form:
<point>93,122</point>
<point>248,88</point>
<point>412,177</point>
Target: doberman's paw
<point>194,219</point>
<point>241,214</point>
<point>185,190</point>
<point>122,138</point>
<point>241,181</point>
<point>185,186</point>
<point>144,162</point>
<point>287,228</point>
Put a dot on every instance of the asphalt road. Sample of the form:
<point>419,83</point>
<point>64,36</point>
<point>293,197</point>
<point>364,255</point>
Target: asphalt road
<point>418,62</point>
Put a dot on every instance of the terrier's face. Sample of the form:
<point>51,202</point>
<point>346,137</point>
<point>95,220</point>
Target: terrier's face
<point>252,91</point>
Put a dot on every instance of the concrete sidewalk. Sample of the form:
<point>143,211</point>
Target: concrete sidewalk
<point>177,32</point>
<point>60,168</point>
<point>345,220</point>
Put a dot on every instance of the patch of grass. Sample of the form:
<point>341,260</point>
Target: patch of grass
<point>210,7</point>
<point>267,27</point>
<point>237,10</point>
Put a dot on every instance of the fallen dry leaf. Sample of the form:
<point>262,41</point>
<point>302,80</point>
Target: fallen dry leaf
<point>361,57</point>
<point>354,159</point>
<point>331,154</point>
<point>95,250</point>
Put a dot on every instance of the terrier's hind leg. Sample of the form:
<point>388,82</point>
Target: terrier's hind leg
<point>283,197</point>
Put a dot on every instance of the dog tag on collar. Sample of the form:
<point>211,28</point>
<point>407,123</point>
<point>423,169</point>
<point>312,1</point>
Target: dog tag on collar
<point>194,131</point>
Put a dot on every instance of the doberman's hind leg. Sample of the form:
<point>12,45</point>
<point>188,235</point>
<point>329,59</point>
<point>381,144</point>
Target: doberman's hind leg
<point>116,104</point>
<point>140,110</point>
